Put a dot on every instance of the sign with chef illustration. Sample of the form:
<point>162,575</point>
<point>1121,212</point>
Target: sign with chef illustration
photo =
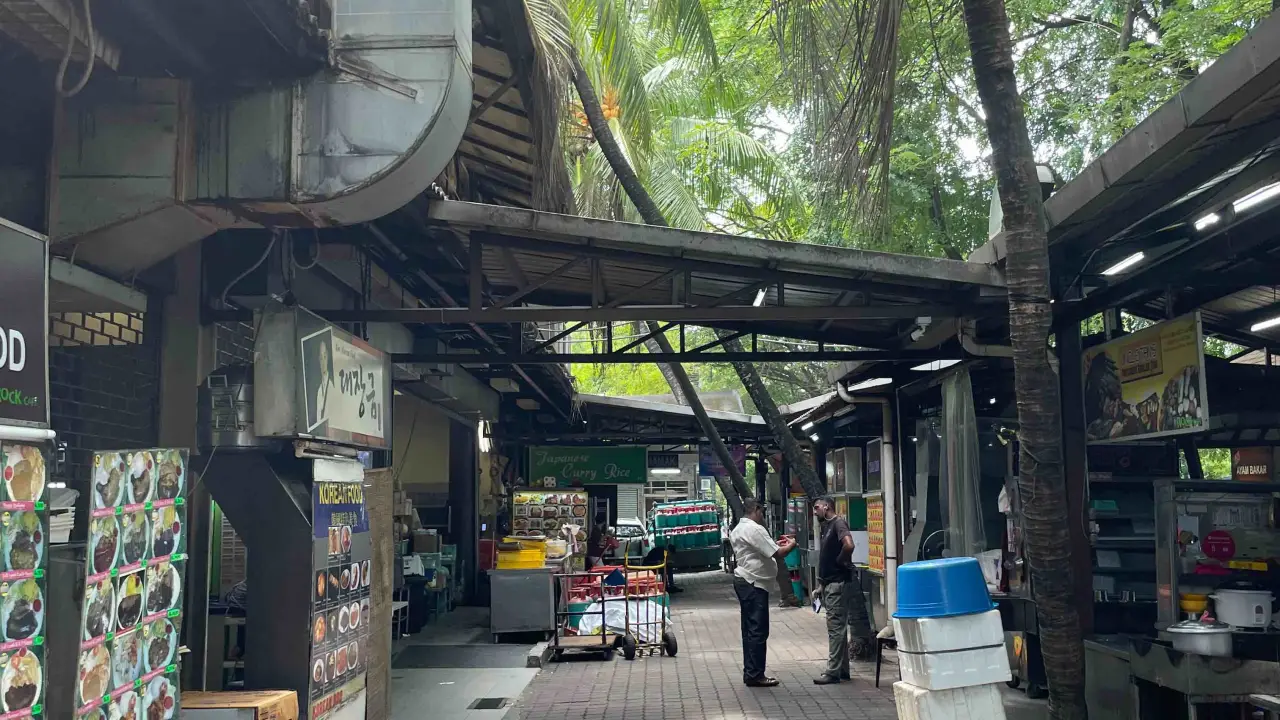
<point>131,617</point>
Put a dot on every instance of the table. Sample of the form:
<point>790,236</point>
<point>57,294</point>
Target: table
<point>524,601</point>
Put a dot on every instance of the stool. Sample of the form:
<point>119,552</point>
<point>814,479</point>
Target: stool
<point>881,644</point>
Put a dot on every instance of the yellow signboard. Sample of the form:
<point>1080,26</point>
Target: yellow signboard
<point>875,535</point>
<point>1147,384</point>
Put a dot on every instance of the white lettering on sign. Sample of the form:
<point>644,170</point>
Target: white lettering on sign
<point>13,350</point>
<point>1252,470</point>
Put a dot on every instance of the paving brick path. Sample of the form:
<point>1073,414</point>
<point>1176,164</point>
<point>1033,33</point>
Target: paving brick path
<point>705,679</point>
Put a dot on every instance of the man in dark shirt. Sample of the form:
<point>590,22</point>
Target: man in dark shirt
<point>835,573</point>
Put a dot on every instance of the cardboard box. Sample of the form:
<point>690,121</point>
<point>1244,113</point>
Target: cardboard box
<point>258,705</point>
<point>426,541</point>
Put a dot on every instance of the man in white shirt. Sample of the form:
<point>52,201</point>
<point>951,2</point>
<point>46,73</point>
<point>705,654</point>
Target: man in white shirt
<point>756,555</point>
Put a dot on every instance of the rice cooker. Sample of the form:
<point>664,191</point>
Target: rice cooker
<point>1243,608</point>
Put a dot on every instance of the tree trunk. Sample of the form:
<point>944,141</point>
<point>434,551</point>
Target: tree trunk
<point>1041,483</point>
<point>768,409</point>
<point>735,487</point>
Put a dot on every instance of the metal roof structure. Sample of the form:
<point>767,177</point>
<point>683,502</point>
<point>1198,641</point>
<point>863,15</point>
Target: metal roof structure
<point>509,265</point>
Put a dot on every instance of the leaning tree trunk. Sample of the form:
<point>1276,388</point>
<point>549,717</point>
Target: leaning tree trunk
<point>735,487</point>
<point>1041,484</point>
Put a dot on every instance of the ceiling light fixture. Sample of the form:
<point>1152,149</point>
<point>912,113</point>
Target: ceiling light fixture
<point>1125,264</point>
<point>814,437</point>
<point>807,425</point>
<point>1257,197</point>
<point>664,471</point>
<point>868,384</point>
<point>1208,221</point>
<point>1265,324</point>
<point>935,365</point>
<point>759,298</point>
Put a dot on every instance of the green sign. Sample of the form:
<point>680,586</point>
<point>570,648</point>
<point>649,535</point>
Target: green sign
<point>578,466</point>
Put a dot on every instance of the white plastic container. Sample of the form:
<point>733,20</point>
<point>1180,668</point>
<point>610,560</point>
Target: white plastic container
<point>981,702</point>
<point>962,668</point>
<point>960,632</point>
<point>1243,608</point>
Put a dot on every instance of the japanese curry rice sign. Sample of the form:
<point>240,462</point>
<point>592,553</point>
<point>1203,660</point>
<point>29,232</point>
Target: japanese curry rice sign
<point>135,567</point>
<point>1147,384</point>
<point>579,466</point>
<point>340,614</point>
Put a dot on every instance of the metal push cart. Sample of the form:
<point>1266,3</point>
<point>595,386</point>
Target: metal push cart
<point>574,586</point>
<point>645,586</point>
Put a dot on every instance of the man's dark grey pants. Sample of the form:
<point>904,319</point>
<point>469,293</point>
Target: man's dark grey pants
<point>755,628</point>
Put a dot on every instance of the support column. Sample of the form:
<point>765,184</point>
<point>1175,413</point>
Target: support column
<point>1075,468</point>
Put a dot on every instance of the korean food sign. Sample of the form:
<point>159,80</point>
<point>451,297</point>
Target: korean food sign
<point>342,556</point>
<point>579,466</point>
<point>131,616</point>
<point>1147,384</point>
<point>24,319</point>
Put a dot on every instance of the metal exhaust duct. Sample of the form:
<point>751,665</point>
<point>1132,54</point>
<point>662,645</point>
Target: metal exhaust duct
<point>148,166</point>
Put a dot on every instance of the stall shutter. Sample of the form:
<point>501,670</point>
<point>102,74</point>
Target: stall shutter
<point>628,502</point>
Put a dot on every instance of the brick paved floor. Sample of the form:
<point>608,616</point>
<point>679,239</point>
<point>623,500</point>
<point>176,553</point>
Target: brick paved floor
<point>705,679</point>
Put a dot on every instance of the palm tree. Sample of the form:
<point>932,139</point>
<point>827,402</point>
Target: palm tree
<point>842,57</point>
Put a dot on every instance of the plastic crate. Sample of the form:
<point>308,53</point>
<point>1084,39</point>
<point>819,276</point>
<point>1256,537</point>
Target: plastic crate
<point>521,559</point>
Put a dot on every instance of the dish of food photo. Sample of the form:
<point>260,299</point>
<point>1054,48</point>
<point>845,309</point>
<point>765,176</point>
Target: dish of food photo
<point>24,472</point>
<point>353,655</point>
<point>126,658</point>
<point>21,681</point>
<point>161,700</point>
<point>355,615</point>
<point>579,510</point>
<point>127,707</point>
<point>99,609</point>
<point>95,674</point>
<point>140,478</point>
<point>129,600</point>
<point>522,499</point>
<point>166,532</point>
<point>23,541</point>
<point>364,609</point>
<point>535,511</point>
<point>321,581</point>
<point>342,660</point>
<point>346,538</point>
<point>104,539</point>
<point>164,580</point>
<point>535,524</point>
<point>162,644</point>
<point>355,576</point>
<point>521,510</point>
<point>344,620</point>
<point>317,632</point>
<point>108,480</point>
<point>133,537</point>
<point>550,511</point>
<point>23,610</point>
<point>550,525</point>
<point>579,500</point>
<point>317,671</point>
<point>346,579</point>
<point>171,475</point>
<point>364,573</point>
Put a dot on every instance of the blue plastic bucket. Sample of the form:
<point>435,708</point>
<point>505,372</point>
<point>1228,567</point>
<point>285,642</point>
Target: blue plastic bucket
<point>942,588</point>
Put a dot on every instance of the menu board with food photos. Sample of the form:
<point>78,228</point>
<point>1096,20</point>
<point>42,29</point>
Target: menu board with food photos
<point>539,512</point>
<point>24,516</point>
<point>131,616</point>
<point>340,618</point>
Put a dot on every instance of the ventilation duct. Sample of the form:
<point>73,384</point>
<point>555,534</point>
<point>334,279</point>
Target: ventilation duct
<point>147,166</point>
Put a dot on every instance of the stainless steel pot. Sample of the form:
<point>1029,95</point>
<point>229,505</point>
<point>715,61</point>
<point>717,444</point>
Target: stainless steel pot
<point>1201,638</point>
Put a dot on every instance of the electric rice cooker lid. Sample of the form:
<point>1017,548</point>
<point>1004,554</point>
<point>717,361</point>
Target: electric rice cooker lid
<point>1198,627</point>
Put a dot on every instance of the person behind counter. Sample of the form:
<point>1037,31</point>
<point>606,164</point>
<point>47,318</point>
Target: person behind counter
<point>599,541</point>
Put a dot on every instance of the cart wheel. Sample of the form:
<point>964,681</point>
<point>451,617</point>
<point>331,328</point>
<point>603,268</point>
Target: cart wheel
<point>669,644</point>
<point>629,647</point>
<point>1014,683</point>
<point>1036,692</point>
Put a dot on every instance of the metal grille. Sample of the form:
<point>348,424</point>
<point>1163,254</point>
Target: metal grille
<point>232,343</point>
<point>104,373</point>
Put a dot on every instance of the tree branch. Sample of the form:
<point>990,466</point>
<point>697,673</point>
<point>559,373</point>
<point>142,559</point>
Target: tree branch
<point>1066,21</point>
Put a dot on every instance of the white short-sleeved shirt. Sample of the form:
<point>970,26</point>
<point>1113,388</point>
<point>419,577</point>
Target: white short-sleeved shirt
<point>753,550</point>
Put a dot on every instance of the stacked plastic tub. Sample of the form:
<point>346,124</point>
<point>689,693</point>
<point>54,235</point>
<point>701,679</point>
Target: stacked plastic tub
<point>950,643</point>
<point>687,525</point>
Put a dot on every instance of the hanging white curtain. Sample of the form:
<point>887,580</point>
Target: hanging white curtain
<point>961,472</point>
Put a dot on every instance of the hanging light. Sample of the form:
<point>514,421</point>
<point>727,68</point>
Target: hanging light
<point>1125,264</point>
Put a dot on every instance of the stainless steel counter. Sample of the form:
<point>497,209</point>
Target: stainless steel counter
<point>524,601</point>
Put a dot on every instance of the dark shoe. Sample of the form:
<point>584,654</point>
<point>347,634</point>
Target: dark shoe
<point>825,679</point>
<point>763,682</point>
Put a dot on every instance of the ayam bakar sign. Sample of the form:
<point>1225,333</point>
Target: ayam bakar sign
<point>578,466</point>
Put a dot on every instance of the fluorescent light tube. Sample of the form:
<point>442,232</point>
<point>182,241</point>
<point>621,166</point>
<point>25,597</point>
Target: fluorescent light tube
<point>1125,264</point>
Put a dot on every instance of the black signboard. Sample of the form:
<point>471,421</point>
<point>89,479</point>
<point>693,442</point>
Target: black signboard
<point>24,319</point>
